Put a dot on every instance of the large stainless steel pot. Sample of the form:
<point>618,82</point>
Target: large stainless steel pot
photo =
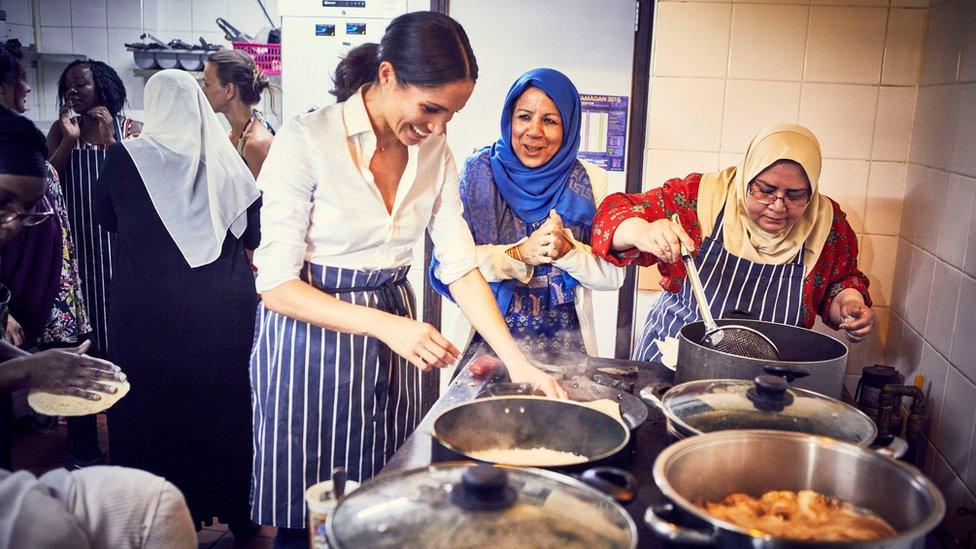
<point>460,504</point>
<point>824,356</point>
<point>711,466</point>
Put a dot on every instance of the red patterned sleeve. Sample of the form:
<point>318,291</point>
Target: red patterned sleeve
<point>837,268</point>
<point>676,196</point>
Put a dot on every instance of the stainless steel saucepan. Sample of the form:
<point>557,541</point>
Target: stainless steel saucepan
<point>799,348</point>
<point>709,467</point>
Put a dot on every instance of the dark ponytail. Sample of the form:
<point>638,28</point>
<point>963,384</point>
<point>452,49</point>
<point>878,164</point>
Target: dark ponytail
<point>356,68</point>
<point>426,49</point>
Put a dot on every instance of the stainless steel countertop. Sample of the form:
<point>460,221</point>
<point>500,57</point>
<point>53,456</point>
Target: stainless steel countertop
<point>416,450</point>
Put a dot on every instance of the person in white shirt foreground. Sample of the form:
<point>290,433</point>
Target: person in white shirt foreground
<point>93,507</point>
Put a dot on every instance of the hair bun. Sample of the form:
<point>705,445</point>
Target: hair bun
<point>261,81</point>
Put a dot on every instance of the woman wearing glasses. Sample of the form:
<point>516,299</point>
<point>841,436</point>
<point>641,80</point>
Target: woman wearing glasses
<point>764,239</point>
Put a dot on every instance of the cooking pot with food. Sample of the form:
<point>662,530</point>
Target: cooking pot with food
<point>711,467</point>
<point>460,504</point>
<point>530,431</point>
<point>824,357</point>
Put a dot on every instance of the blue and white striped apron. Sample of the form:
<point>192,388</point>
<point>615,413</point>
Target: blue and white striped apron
<point>324,399</point>
<point>93,244</point>
<point>773,293</point>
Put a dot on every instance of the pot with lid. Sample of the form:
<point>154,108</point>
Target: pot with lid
<point>460,504</point>
<point>768,402</point>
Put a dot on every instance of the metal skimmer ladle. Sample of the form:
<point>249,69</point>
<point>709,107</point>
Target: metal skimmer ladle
<point>733,339</point>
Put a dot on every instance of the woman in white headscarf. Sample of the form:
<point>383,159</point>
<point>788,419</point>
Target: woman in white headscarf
<point>766,242</point>
<point>182,206</point>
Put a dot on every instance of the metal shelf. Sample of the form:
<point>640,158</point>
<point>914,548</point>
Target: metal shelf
<point>34,58</point>
<point>146,73</point>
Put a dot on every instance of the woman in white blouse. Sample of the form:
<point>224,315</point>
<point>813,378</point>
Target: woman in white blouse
<point>348,190</point>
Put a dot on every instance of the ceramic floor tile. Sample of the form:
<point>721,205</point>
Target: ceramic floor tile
<point>47,464</point>
<point>256,542</point>
<point>208,537</point>
<point>43,445</point>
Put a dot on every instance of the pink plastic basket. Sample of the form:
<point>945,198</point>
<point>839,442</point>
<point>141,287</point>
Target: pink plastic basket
<point>266,56</point>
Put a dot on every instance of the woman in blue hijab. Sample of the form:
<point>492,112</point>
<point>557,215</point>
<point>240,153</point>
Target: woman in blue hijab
<point>530,203</point>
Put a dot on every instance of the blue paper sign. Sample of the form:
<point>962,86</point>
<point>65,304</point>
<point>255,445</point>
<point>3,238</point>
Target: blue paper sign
<point>603,130</point>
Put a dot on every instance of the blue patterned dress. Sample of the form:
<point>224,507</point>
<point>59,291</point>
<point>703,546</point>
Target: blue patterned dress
<point>541,314</point>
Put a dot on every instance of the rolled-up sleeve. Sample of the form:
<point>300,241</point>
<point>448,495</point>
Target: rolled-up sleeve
<point>288,182</point>
<point>453,246</point>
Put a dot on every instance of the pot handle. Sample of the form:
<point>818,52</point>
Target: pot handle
<point>791,373</point>
<point>652,394</point>
<point>615,482</point>
<point>664,528</point>
<point>890,446</point>
<point>505,388</point>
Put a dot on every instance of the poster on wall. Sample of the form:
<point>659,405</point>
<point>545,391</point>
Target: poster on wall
<point>603,130</point>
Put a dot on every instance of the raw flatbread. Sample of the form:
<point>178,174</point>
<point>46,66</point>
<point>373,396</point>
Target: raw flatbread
<point>50,404</point>
<point>605,405</point>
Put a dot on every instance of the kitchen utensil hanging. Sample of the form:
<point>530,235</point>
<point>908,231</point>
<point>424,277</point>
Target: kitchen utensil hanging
<point>733,339</point>
<point>231,33</point>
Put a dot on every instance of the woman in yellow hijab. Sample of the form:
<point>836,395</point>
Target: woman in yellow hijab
<point>765,242</point>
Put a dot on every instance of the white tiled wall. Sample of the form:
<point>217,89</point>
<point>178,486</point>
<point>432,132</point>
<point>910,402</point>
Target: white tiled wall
<point>100,28</point>
<point>847,69</point>
<point>933,321</point>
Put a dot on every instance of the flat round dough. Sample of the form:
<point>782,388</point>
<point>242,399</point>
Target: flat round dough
<point>50,404</point>
<point>607,406</point>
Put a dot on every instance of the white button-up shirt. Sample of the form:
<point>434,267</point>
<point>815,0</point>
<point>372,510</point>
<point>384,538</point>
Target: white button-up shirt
<point>321,204</point>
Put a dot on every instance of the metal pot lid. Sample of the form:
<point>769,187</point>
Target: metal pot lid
<point>468,505</point>
<point>768,402</point>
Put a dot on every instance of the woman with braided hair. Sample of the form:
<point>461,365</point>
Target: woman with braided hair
<point>90,101</point>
